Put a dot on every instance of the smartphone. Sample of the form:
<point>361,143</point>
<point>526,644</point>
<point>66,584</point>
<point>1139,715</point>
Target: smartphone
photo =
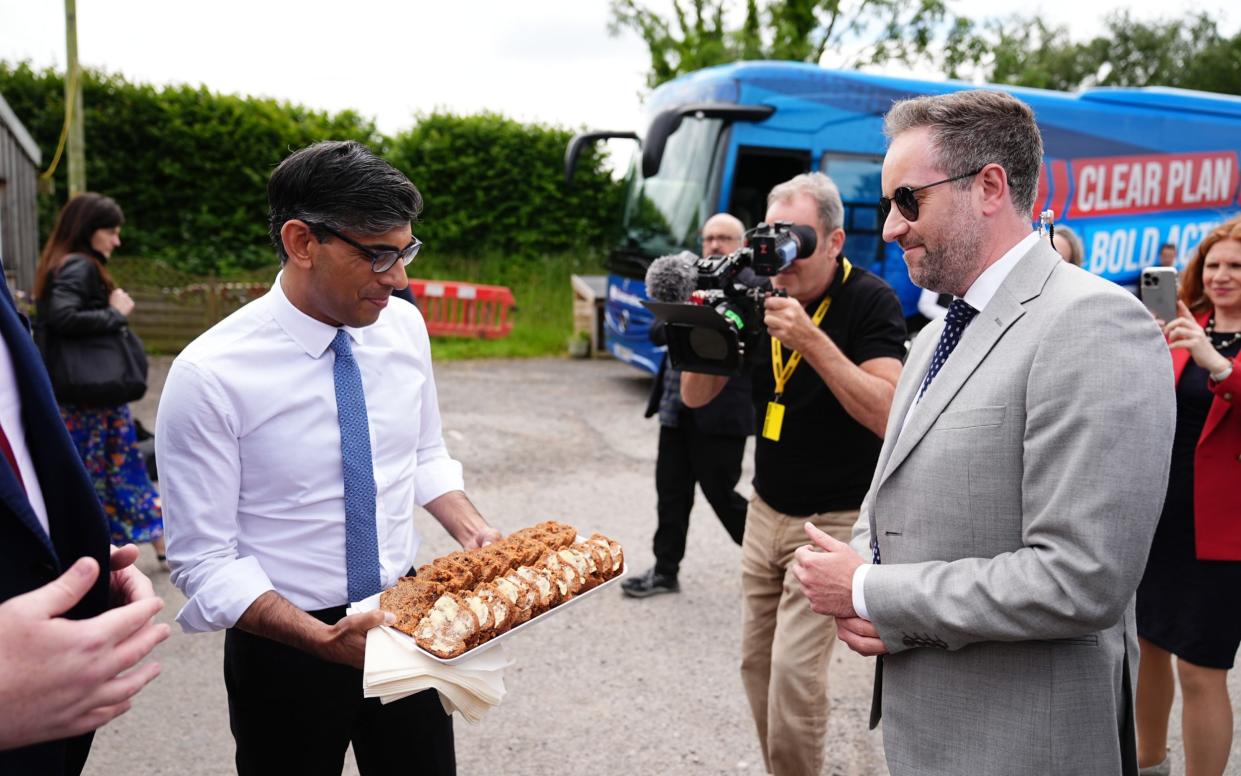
<point>1158,291</point>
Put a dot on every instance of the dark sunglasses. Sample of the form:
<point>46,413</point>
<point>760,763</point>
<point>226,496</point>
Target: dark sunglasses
<point>907,203</point>
<point>381,261</point>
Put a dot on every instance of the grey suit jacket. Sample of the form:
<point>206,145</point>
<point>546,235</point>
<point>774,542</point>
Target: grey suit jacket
<point>1014,516</point>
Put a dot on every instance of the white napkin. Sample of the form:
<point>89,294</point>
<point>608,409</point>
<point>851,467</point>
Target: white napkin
<point>395,668</point>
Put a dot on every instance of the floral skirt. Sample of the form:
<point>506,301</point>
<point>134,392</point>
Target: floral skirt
<point>105,439</point>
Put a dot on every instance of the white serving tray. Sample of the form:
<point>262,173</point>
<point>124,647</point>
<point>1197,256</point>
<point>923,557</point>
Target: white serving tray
<point>372,603</point>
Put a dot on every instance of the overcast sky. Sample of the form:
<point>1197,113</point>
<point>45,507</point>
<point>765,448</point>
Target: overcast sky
<point>535,60</point>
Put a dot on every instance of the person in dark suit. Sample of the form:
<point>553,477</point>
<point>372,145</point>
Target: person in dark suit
<point>69,636</point>
<point>701,446</point>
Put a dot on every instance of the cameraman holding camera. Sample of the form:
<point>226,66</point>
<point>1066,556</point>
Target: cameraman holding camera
<point>821,430</point>
<point>702,446</point>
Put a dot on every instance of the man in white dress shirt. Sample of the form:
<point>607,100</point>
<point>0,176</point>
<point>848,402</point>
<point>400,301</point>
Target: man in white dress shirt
<point>294,439</point>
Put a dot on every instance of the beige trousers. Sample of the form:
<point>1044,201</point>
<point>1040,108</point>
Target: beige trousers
<point>785,646</point>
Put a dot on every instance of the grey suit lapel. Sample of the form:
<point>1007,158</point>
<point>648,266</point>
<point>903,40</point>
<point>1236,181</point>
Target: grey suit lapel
<point>907,389</point>
<point>1024,283</point>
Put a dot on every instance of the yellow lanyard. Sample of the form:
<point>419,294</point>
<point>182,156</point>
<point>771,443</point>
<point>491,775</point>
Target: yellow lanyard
<point>781,371</point>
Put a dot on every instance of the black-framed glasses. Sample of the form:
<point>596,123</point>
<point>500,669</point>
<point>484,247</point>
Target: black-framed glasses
<point>907,203</point>
<point>381,261</point>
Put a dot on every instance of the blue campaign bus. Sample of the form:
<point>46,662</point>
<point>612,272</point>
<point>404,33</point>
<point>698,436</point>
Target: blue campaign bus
<point>1127,169</point>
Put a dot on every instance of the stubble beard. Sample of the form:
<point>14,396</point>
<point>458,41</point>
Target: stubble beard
<point>947,263</point>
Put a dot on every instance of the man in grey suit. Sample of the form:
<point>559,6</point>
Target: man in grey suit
<point>994,562</point>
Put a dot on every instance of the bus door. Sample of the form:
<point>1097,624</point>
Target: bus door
<point>758,171</point>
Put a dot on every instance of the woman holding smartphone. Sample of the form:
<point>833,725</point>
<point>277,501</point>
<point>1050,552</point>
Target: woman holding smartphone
<point>1189,597</point>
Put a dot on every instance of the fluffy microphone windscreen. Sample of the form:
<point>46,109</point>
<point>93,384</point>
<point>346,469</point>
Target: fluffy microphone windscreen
<point>672,278</point>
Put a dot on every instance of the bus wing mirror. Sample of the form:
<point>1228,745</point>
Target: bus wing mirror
<point>579,141</point>
<point>667,122</point>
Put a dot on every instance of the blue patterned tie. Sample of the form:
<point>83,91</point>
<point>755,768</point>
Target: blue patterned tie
<point>959,316</point>
<point>361,537</point>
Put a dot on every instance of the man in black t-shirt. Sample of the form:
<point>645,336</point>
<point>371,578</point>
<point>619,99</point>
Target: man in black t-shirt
<point>821,423</point>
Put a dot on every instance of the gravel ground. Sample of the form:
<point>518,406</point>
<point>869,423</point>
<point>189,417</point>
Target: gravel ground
<point>611,686</point>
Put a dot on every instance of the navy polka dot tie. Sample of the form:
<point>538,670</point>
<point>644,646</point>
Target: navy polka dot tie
<point>959,316</point>
<point>361,536</point>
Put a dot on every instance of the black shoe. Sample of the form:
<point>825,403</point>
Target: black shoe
<point>650,583</point>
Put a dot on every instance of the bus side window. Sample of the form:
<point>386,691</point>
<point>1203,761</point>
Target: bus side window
<point>858,178</point>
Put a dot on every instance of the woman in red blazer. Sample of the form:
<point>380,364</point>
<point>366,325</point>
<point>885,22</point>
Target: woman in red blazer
<point>1191,592</point>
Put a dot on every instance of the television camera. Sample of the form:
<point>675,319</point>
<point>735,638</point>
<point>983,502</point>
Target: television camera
<point>711,308</point>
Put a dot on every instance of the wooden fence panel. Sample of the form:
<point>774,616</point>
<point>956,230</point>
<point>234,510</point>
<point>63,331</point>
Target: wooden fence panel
<point>168,319</point>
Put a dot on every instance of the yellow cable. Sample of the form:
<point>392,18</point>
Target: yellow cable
<point>64,132</point>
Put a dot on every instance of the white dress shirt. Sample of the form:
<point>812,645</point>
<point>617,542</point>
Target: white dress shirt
<point>15,430</point>
<point>978,296</point>
<point>248,444</point>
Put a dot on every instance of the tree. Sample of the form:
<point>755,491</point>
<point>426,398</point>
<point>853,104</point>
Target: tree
<point>190,168</point>
<point>1189,53</point>
<point>493,184</point>
<point>697,34</point>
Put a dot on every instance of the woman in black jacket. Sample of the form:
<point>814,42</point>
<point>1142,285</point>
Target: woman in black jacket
<point>76,297</point>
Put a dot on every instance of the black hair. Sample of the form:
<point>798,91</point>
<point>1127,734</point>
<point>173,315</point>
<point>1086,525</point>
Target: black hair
<point>341,185</point>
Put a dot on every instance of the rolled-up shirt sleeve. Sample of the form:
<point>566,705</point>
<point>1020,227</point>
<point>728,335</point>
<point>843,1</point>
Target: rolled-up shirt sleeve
<point>437,472</point>
<point>200,475</point>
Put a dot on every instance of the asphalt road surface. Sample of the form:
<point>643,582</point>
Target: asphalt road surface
<point>609,686</point>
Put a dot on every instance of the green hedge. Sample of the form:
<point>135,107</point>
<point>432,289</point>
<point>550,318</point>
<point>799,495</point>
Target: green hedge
<point>492,184</point>
<point>190,166</point>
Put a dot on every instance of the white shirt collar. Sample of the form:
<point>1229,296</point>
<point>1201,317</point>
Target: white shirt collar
<point>980,293</point>
<point>983,289</point>
<point>312,336</point>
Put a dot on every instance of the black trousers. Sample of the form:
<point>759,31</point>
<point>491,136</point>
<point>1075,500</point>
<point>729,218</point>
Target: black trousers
<point>63,757</point>
<point>291,712</point>
<point>687,456</point>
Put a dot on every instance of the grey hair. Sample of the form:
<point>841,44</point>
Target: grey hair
<point>821,189</point>
<point>974,128</point>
